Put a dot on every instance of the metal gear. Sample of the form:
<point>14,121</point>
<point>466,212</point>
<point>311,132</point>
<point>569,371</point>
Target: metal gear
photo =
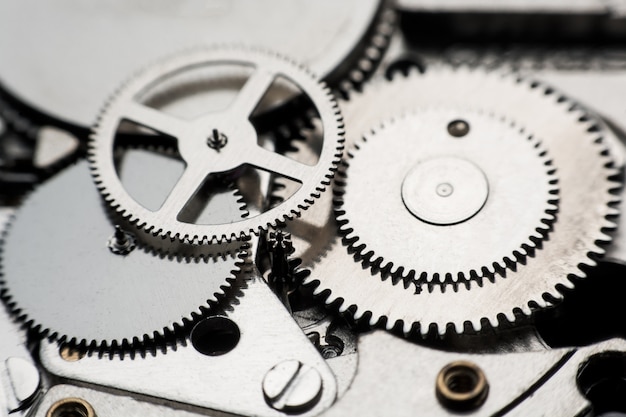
<point>215,143</point>
<point>444,193</point>
<point>63,272</point>
<point>586,204</point>
<point>349,39</point>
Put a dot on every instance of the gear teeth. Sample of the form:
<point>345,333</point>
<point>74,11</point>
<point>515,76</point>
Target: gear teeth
<point>370,258</point>
<point>153,342</point>
<point>333,127</point>
<point>379,38</point>
<point>479,287</point>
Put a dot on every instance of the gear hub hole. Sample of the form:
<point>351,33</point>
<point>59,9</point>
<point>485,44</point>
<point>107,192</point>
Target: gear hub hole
<point>215,336</point>
<point>461,386</point>
<point>458,128</point>
<point>71,407</point>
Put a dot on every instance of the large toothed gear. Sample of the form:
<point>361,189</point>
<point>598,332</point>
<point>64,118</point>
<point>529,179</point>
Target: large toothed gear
<point>70,274</point>
<point>586,205</point>
<point>454,204</point>
<point>220,142</point>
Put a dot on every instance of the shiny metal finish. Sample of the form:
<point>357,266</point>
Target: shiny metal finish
<point>292,387</point>
<point>78,290</point>
<point>232,382</point>
<point>72,44</point>
<point>550,119</point>
<point>444,190</point>
<point>441,192</point>
<point>202,160</point>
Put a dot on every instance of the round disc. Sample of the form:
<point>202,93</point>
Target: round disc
<point>59,272</point>
<point>444,190</point>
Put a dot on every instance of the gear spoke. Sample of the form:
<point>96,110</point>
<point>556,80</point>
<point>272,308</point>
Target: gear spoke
<point>252,93</point>
<point>185,189</point>
<point>220,143</point>
<point>154,119</point>
<point>279,164</point>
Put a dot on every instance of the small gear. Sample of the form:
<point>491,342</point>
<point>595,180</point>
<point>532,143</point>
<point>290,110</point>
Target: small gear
<point>219,143</point>
<point>62,276</point>
<point>467,193</point>
<point>586,204</point>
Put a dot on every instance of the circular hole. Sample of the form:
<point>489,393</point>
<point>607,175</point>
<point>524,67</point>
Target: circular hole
<point>71,407</point>
<point>458,128</point>
<point>461,386</point>
<point>602,380</point>
<point>461,381</point>
<point>215,336</point>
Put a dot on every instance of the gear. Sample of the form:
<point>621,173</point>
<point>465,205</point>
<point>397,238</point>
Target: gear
<point>465,203</point>
<point>218,143</point>
<point>586,202</point>
<point>62,276</point>
<point>348,39</point>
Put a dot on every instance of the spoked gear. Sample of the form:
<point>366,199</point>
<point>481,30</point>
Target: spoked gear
<point>586,201</point>
<point>70,274</point>
<point>465,194</point>
<point>218,143</point>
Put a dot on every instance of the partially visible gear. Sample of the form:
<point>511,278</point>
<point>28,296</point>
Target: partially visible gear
<point>337,40</point>
<point>366,58</point>
<point>217,144</point>
<point>454,204</point>
<point>586,204</point>
<point>61,278</point>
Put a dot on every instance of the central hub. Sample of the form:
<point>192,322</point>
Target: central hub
<point>445,190</point>
<point>217,140</point>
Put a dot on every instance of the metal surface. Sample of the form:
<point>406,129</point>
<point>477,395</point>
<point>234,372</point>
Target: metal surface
<point>78,290</point>
<point>232,382</point>
<point>441,192</point>
<point>71,44</point>
<point>20,379</point>
<point>108,404</point>
<point>439,175</point>
<point>200,159</point>
<point>533,285</point>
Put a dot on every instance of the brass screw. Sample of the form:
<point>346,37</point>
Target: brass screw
<point>462,386</point>
<point>71,407</point>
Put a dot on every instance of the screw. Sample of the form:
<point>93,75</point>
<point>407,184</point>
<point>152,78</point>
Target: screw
<point>458,128</point>
<point>292,387</point>
<point>330,351</point>
<point>121,243</point>
<point>217,140</point>
<point>25,381</point>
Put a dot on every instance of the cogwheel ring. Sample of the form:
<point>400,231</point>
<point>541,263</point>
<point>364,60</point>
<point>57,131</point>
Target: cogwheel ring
<point>215,143</point>
<point>587,199</point>
<point>454,207</point>
<point>61,278</point>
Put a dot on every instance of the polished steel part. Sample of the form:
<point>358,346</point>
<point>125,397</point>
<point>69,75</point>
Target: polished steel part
<point>292,386</point>
<point>585,203</point>
<point>78,290</point>
<point>444,190</point>
<point>232,382</point>
<point>520,384</point>
<point>441,192</point>
<point>107,404</point>
<point>202,160</point>
<point>72,44</point>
